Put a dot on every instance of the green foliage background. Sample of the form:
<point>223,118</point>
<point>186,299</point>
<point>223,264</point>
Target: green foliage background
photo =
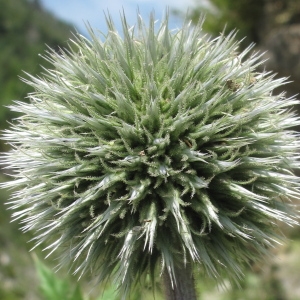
<point>242,14</point>
<point>252,18</point>
<point>25,30</point>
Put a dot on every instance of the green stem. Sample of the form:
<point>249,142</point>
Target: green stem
<point>183,288</point>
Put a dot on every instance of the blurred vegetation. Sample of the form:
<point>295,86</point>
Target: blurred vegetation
<point>25,30</point>
<point>54,287</point>
<point>243,14</point>
<point>252,18</point>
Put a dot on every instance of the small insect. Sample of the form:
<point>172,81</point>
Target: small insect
<point>233,86</point>
<point>252,80</point>
<point>147,221</point>
<point>188,143</point>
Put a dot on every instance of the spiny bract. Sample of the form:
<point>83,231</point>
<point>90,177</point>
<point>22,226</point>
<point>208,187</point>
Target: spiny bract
<point>154,147</point>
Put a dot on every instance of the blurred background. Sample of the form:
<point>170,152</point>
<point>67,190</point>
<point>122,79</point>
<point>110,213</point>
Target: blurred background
<point>27,28</point>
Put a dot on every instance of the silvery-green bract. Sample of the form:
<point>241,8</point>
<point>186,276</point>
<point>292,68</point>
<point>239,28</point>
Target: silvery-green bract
<point>152,148</point>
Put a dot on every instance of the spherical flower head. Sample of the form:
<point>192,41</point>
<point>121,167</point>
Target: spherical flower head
<point>142,151</point>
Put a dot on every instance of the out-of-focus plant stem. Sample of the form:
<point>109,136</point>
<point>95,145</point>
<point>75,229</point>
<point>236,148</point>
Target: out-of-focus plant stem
<point>183,288</point>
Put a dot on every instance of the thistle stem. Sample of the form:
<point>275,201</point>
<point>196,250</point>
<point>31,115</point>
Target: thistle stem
<point>183,288</point>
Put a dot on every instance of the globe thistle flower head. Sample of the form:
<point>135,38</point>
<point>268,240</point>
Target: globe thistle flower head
<point>142,151</point>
